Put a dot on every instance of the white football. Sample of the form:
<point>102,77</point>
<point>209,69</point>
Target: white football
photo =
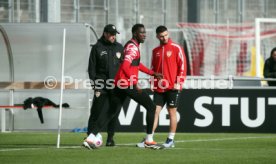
<point>98,140</point>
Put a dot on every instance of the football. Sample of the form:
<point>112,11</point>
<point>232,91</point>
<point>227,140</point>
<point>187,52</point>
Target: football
<point>98,140</point>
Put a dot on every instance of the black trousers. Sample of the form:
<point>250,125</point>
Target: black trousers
<point>101,106</point>
<point>117,101</point>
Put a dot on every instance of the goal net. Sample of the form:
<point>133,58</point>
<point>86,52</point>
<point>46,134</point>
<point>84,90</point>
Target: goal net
<point>223,49</point>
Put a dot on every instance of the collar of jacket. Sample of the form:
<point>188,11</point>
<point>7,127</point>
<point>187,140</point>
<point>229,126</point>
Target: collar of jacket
<point>104,41</point>
<point>135,42</point>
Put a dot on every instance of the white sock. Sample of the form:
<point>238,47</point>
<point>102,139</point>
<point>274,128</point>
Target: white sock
<point>91,137</point>
<point>171,136</point>
<point>149,137</point>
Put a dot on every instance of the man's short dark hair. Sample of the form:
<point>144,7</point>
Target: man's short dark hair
<point>136,27</point>
<point>272,51</point>
<point>161,29</point>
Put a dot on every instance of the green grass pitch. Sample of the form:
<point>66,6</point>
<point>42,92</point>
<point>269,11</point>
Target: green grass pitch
<point>40,147</point>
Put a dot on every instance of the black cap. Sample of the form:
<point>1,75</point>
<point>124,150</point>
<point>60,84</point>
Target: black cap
<point>110,28</point>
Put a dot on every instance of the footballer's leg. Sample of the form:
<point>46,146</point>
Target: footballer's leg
<point>159,100</point>
<point>113,122</point>
<point>99,102</point>
<point>110,132</point>
<point>104,118</point>
<point>89,142</point>
<point>97,108</point>
<point>172,102</point>
<point>157,112</point>
<point>143,99</point>
<point>173,125</point>
<point>111,129</point>
<point>156,117</point>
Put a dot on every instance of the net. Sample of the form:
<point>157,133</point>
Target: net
<point>223,50</point>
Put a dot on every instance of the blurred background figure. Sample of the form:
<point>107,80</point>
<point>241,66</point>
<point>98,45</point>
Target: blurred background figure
<point>270,67</point>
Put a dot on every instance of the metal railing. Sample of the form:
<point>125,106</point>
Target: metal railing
<point>11,91</point>
<point>11,85</point>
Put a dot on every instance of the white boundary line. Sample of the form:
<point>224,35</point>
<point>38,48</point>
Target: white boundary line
<point>225,139</point>
<point>209,140</point>
<point>133,144</point>
<point>18,149</point>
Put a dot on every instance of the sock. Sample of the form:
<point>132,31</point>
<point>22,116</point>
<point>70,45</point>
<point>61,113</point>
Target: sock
<point>91,137</point>
<point>171,136</point>
<point>149,137</point>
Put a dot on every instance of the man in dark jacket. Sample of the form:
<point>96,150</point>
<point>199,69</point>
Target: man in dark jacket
<point>105,58</point>
<point>126,82</point>
<point>270,67</point>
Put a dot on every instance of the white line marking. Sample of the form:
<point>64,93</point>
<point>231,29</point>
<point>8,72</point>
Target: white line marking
<point>225,139</point>
<point>133,144</point>
<point>210,140</point>
<point>18,149</point>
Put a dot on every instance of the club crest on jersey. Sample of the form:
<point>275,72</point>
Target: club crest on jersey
<point>118,54</point>
<point>169,53</point>
<point>97,93</point>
